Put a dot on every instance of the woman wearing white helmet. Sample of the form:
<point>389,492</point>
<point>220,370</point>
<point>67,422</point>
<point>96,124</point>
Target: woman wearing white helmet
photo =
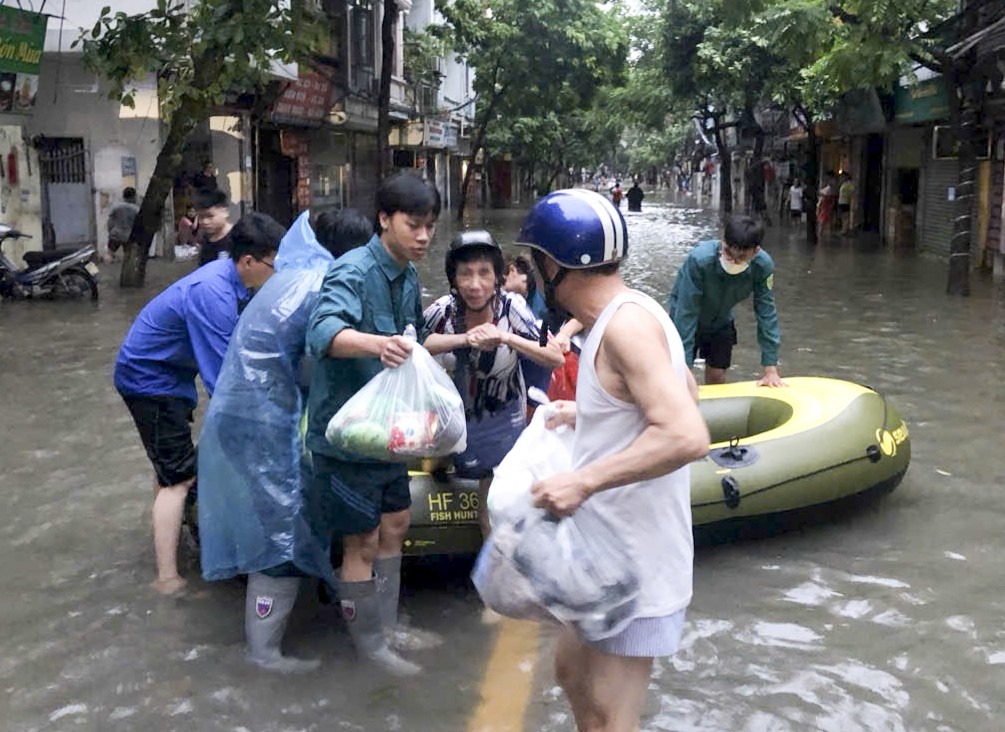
<point>486,331</point>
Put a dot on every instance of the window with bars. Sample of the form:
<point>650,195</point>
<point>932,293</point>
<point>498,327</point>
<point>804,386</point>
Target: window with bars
<point>63,160</point>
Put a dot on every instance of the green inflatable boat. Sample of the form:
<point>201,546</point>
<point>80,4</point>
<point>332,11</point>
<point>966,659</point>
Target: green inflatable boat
<point>777,455</point>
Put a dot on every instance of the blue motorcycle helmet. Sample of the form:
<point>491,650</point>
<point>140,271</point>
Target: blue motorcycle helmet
<point>578,229</point>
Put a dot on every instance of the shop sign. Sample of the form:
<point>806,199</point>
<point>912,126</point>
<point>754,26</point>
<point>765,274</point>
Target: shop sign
<point>435,132</point>
<point>358,114</point>
<point>306,102</point>
<point>22,39</point>
<point>450,136</point>
<point>921,102</point>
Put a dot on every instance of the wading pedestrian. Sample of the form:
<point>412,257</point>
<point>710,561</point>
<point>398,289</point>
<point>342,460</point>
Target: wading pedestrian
<point>637,430</point>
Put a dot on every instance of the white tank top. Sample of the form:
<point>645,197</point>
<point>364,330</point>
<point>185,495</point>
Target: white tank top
<point>653,517</point>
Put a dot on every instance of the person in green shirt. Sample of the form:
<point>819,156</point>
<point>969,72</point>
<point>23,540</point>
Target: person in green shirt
<point>367,299</point>
<point>717,275</point>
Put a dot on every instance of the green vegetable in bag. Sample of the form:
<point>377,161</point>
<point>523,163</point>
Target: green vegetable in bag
<point>366,438</point>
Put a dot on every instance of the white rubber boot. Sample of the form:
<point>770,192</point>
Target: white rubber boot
<point>267,607</point>
<point>361,610</point>
<point>399,636</point>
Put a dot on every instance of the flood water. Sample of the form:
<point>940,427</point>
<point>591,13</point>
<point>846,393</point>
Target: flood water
<point>886,619</point>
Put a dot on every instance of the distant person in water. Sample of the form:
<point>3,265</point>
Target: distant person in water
<point>635,196</point>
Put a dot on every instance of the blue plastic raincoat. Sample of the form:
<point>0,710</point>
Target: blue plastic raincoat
<point>254,511</point>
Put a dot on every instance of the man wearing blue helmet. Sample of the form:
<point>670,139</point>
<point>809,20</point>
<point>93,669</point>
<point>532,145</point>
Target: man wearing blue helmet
<point>637,430</point>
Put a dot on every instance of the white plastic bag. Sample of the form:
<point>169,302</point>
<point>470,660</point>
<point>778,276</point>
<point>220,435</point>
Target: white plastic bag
<point>413,411</point>
<point>533,567</point>
<point>538,453</point>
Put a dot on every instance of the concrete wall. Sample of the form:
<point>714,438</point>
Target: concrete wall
<point>72,102</point>
<point>20,203</point>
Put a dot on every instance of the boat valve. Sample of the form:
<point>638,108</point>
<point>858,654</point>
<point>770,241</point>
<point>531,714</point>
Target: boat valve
<point>734,451</point>
<point>874,453</point>
<point>731,491</point>
<point>734,456</point>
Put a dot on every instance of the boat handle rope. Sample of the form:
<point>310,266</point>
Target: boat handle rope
<point>731,494</point>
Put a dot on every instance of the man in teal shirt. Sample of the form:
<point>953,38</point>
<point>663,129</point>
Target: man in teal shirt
<point>715,277</point>
<point>367,299</point>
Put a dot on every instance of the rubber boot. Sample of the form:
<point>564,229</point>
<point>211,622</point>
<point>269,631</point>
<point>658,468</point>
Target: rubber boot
<point>267,607</point>
<point>399,636</point>
<point>361,610</point>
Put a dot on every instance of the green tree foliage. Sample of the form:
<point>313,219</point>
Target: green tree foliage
<point>201,56</point>
<point>538,65</point>
<point>725,58</point>
<point>422,51</point>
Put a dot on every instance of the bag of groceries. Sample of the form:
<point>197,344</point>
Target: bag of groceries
<point>412,411</point>
<point>534,567</point>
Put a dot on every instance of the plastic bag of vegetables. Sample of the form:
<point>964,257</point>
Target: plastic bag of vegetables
<point>413,411</point>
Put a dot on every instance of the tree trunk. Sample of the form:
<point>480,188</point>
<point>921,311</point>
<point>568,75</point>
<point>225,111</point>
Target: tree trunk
<point>963,119</point>
<point>810,191</point>
<point>186,117</point>
<point>758,201</point>
<point>477,145</point>
<point>148,220</point>
<point>469,173</point>
<point>812,172</point>
<point>387,22</point>
<point>725,172</point>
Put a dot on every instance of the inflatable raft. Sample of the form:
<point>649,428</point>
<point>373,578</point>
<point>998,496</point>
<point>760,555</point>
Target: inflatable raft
<point>777,454</point>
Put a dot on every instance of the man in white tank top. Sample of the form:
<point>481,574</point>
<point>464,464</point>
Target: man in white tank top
<point>637,430</point>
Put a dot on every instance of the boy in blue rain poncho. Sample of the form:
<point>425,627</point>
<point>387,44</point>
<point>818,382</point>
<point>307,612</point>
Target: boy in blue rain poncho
<point>255,517</point>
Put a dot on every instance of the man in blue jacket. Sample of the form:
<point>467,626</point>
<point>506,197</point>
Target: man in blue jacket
<point>715,277</point>
<point>181,333</point>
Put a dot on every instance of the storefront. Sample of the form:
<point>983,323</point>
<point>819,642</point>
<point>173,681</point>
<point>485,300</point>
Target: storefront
<point>920,182</point>
<point>429,146</point>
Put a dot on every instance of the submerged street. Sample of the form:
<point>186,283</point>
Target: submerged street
<point>886,619</point>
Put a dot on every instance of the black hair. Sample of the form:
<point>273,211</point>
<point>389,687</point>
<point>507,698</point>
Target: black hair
<point>211,198</point>
<point>407,193</point>
<point>256,234</point>
<point>340,231</point>
<point>474,253</point>
<point>522,264</point>
<point>129,194</point>
<point>743,232</point>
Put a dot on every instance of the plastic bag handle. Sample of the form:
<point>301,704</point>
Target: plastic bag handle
<point>410,332</point>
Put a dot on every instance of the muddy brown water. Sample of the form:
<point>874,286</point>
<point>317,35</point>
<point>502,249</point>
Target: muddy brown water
<point>885,619</point>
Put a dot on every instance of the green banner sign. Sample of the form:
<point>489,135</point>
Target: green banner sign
<point>921,102</point>
<point>22,40</point>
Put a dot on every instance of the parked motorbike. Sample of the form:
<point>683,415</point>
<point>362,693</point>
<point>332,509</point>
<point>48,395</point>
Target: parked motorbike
<point>60,273</point>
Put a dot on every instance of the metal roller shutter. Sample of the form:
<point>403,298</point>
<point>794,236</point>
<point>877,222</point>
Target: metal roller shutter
<point>935,226</point>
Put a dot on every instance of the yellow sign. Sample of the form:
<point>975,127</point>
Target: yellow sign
<point>888,441</point>
<point>451,507</point>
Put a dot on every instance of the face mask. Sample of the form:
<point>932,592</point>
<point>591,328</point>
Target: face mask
<point>732,267</point>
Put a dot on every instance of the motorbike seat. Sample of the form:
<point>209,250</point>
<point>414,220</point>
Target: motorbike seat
<point>34,260</point>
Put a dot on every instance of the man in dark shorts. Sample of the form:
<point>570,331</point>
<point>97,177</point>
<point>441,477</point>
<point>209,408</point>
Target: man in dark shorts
<point>715,277</point>
<point>367,299</point>
<point>182,332</point>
